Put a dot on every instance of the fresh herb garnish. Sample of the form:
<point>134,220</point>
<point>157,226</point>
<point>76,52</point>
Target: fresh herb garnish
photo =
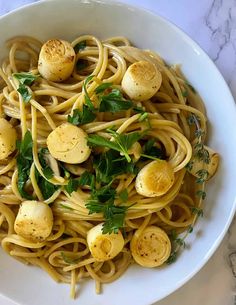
<point>88,101</point>
<point>102,201</point>
<point>87,114</point>
<point>80,46</point>
<point>113,101</point>
<point>64,170</point>
<point>139,109</point>
<point>124,195</point>
<point>81,64</point>
<point>176,239</point>
<point>189,166</point>
<point>150,151</point>
<point>101,88</point>
<point>143,116</point>
<point>121,143</point>
<point>24,92</point>
<point>190,229</point>
<point>66,207</point>
<point>201,153</point>
<point>172,258</point>
<point>25,79</point>
<point>191,87</point>
<point>47,188</point>
<point>110,164</point>
<point>85,179</point>
<point>201,194</point>
<point>125,141</point>
<point>69,260</point>
<point>202,176</point>
<point>82,117</point>
<point>185,93</point>
<point>177,244</point>
<point>24,161</point>
<point>199,150</point>
<point>47,171</point>
<point>197,211</point>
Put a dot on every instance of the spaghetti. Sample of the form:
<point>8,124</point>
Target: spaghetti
<point>139,195</point>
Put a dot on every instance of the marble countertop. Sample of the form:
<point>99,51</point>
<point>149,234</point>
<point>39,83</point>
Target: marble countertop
<point>212,24</point>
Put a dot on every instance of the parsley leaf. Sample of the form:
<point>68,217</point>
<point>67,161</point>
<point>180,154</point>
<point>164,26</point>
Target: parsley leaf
<point>24,92</point>
<point>115,218</point>
<point>121,143</point>
<point>114,102</point>
<point>139,109</point>
<point>72,186</point>
<point>88,101</point>
<point>81,64</point>
<point>102,201</point>
<point>104,194</point>
<point>110,164</point>
<point>24,161</point>
<point>85,179</point>
<point>101,88</point>
<point>96,140</point>
<point>25,79</point>
<point>124,195</point>
<point>69,260</point>
<point>48,172</point>
<point>47,188</point>
<point>125,141</point>
<point>143,116</point>
<point>82,117</point>
<point>150,149</point>
<point>80,46</point>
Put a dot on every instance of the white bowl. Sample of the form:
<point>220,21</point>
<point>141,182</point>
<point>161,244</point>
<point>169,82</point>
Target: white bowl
<point>71,18</point>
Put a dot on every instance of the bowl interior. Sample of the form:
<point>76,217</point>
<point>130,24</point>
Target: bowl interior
<point>69,19</point>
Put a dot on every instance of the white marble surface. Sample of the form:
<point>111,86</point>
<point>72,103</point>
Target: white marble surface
<point>212,23</point>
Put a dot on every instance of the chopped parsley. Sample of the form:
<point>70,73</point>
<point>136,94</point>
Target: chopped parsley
<point>102,201</point>
<point>85,179</point>
<point>25,79</point>
<point>121,143</point>
<point>24,162</point>
<point>80,46</point>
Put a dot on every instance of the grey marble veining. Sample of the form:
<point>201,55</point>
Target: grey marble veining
<point>221,21</point>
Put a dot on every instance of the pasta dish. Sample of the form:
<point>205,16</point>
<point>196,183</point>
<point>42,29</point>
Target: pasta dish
<point>103,161</point>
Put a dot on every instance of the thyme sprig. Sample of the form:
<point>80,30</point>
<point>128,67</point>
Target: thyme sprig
<point>202,155</point>
<point>199,150</point>
<point>178,243</point>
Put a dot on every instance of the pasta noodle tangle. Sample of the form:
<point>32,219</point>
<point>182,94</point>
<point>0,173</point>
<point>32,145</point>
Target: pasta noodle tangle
<point>65,254</point>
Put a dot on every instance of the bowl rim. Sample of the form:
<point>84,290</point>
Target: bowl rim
<point>201,52</point>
